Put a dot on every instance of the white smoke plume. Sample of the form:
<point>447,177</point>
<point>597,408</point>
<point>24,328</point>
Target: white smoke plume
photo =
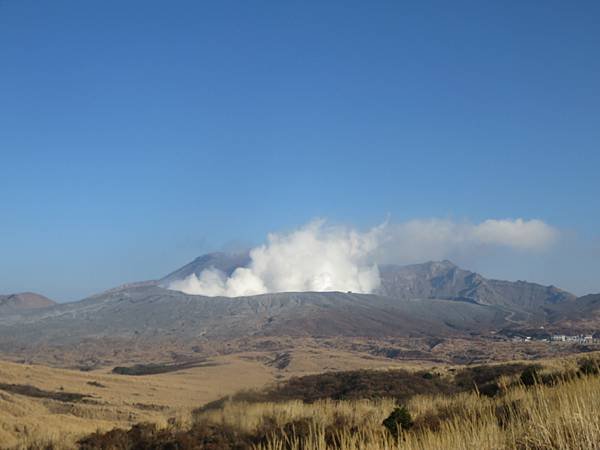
<point>321,257</point>
<point>315,257</point>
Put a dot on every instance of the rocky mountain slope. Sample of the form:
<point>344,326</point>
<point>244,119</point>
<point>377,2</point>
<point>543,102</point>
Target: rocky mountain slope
<point>13,303</point>
<point>434,279</point>
<point>583,313</point>
<point>445,280</point>
<point>225,262</point>
<point>155,313</point>
<point>435,299</point>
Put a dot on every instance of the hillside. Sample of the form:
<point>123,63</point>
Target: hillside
<point>583,313</point>
<point>435,300</point>
<point>447,281</point>
<point>450,407</point>
<point>155,313</point>
<point>23,301</point>
<point>225,262</point>
<point>434,279</point>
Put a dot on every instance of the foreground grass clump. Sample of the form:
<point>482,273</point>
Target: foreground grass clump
<point>399,420</point>
<point>563,415</point>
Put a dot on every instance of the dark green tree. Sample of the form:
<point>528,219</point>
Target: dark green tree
<point>399,419</point>
<point>530,376</point>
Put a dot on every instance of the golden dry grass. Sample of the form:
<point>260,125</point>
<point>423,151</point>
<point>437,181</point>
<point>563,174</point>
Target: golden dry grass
<point>126,400</point>
<point>563,417</point>
<point>541,418</point>
<point>123,401</point>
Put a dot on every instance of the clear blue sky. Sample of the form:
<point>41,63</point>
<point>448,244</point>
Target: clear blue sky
<point>135,135</point>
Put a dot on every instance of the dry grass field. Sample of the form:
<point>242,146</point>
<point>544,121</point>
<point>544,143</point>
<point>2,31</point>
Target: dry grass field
<point>51,408</point>
<point>562,417</point>
<point>111,400</point>
<point>114,400</point>
<point>558,410</point>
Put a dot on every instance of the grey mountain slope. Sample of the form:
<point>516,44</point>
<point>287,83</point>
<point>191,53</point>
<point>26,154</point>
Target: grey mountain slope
<point>448,281</point>
<point>435,279</point>
<point>225,262</point>
<point>154,313</point>
<point>431,299</point>
<point>586,308</point>
<point>12,303</point>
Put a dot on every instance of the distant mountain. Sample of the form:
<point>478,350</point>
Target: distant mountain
<point>434,279</point>
<point>433,299</point>
<point>225,262</point>
<point>154,314</point>
<point>445,280</point>
<point>583,313</point>
<point>23,301</point>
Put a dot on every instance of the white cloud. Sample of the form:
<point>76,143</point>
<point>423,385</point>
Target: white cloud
<point>520,234</point>
<point>433,239</point>
<point>320,257</point>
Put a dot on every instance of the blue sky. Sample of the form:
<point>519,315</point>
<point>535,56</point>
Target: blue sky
<point>136,135</point>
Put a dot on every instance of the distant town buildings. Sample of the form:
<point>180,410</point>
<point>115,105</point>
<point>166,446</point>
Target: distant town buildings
<point>579,338</point>
<point>561,338</point>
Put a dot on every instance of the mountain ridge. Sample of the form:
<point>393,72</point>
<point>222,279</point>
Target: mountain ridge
<point>429,300</point>
<point>24,301</point>
<point>432,279</point>
<point>222,261</point>
<point>446,280</point>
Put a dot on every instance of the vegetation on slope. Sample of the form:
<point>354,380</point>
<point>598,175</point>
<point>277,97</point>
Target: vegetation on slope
<point>565,416</point>
<point>32,391</point>
<point>554,412</point>
<point>154,369</point>
<point>397,384</point>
